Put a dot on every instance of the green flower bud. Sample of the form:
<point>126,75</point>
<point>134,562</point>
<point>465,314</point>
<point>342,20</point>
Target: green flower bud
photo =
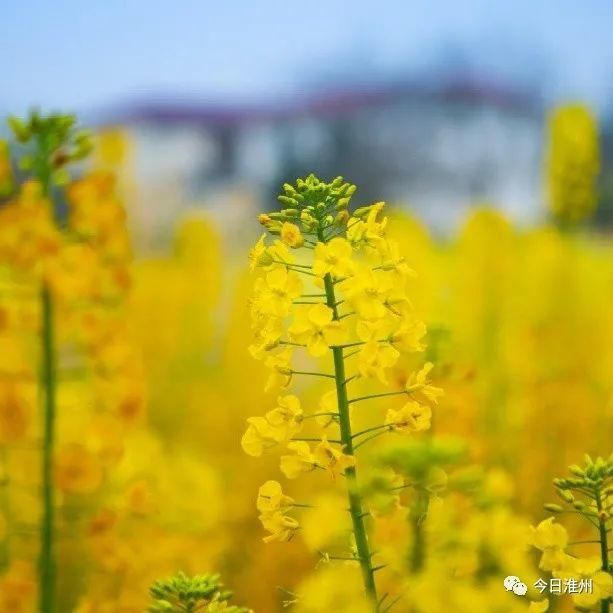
<point>289,189</point>
<point>343,203</point>
<point>361,212</point>
<point>565,495</point>
<point>576,470</point>
<point>342,217</point>
<point>291,202</point>
<point>553,508</point>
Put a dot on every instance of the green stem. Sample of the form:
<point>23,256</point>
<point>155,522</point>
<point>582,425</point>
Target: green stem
<point>312,374</point>
<point>48,386</point>
<point>370,438</point>
<point>42,170</point>
<point>5,506</point>
<point>604,549</point>
<point>417,515</point>
<point>372,429</point>
<point>355,500</point>
<point>382,395</point>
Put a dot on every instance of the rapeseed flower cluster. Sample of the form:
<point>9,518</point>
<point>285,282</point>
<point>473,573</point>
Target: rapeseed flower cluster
<point>572,163</point>
<point>589,494</point>
<point>183,594</point>
<point>65,253</point>
<point>330,293</point>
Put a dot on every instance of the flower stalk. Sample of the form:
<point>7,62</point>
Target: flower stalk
<point>53,144</point>
<point>48,387</point>
<point>48,384</point>
<point>355,502</point>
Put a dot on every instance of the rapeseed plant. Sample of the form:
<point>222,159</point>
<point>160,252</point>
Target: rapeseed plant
<point>588,493</point>
<point>65,241</point>
<point>572,163</point>
<point>346,301</point>
<point>183,594</point>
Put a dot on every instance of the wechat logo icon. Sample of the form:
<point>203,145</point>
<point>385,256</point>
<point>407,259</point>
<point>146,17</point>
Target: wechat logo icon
<point>515,585</point>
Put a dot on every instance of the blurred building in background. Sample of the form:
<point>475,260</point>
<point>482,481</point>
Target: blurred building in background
<point>437,149</point>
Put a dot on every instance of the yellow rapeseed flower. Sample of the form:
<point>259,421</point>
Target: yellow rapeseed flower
<point>315,328</point>
<point>331,458</point>
<point>333,258</point>
<point>550,538</point>
<point>419,387</point>
<point>299,461</point>
<point>411,417</point>
<point>271,498</point>
<point>375,359</point>
<point>281,527</point>
<point>275,292</point>
<point>291,235</point>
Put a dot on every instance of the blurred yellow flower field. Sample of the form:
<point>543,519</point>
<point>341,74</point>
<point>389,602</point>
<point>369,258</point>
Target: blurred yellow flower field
<point>346,415</point>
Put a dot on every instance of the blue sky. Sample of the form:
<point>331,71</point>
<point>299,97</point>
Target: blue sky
<point>85,55</point>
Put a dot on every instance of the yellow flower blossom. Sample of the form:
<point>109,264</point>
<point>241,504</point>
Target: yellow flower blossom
<point>287,416</point>
<point>408,338</point>
<point>392,260</point>
<point>281,527</point>
<point>589,569</point>
<point>260,436</point>
<point>280,254</point>
<point>28,235</point>
<point>258,254</point>
<point>368,232</point>
<point>374,329</point>
<point>367,291</point>
<point>331,458</point>
<point>280,365</point>
<point>268,257</point>
<point>411,417</point>
<point>74,273</point>
<point>300,461</point>
<point>333,258</point>
<point>275,292</point>
<point>551,539</point>
<point>291,235</point>
<point>315,328</point>
<point>328,409</point>
<point>272,499</point>
<point>418,386</point>
<point>375,358</point>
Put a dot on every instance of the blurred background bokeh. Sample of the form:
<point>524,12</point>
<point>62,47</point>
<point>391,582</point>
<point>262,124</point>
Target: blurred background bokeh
<point>436,105</point>
<point>488,129</point>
